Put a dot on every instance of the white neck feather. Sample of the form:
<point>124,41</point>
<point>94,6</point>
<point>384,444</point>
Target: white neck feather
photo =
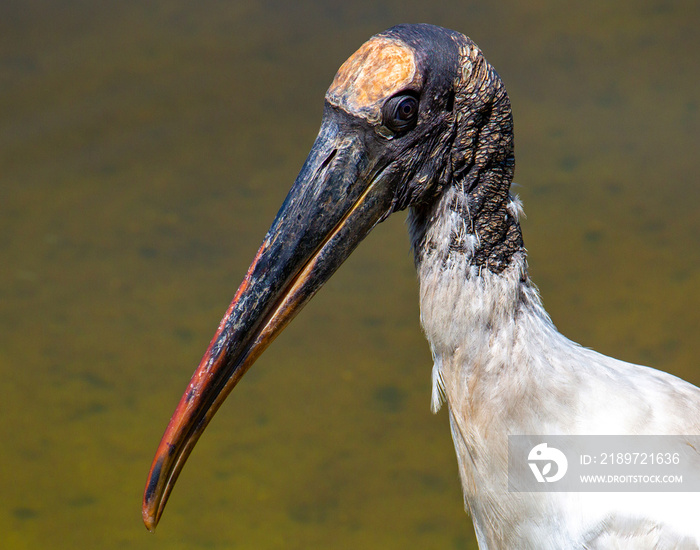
<point>493,347</point>
<point>476,321</point>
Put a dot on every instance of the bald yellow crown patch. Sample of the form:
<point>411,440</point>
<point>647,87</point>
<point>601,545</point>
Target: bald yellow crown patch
<point>379,69</point>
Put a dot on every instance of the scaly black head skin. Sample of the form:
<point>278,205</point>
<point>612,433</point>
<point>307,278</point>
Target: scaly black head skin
<point>415,118</point>
<point>474,185</point>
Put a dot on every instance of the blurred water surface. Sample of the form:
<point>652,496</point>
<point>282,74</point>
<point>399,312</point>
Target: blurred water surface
<point>144,150</point>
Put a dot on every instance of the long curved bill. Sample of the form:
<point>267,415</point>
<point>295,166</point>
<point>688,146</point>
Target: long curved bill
<point>338,197</point>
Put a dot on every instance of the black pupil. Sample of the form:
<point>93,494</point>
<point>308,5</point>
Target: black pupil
<point>406,108</point>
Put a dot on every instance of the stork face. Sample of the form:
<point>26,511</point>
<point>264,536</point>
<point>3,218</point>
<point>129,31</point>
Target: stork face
<point>385,143</point>
<point>397,91</point>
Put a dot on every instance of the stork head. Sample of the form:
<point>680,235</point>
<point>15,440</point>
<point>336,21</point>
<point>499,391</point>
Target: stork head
<point>415,109</point>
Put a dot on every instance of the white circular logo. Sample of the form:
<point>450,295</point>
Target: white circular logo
<point>541,459</point>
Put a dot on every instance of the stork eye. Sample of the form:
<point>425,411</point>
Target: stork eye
<point>400,113</point>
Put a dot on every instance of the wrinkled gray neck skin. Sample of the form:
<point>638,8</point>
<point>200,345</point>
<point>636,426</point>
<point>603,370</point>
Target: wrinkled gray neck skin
<point>476,218</point>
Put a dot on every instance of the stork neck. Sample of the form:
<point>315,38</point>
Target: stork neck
<point>467,241</point>
<point>479,309</point>
<point>472,269</point>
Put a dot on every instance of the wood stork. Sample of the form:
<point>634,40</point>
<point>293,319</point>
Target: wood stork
<point>418,119</point>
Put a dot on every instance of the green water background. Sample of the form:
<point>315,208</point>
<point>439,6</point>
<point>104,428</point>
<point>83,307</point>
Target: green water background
<point>144,150</point>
